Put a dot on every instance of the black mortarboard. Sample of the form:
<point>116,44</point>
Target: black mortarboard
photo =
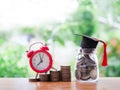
<point>89,42</point>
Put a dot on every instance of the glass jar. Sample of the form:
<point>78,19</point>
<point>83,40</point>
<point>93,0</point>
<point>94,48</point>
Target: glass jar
<point>87,65</point>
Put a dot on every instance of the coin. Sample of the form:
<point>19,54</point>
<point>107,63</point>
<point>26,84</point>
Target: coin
<point>80,63</point>
<point>80,58</point>
<point>88,59</point>
<point>77,74</point>
<point>33,80</point>
<point>54,76</point>
<point>83,68</point>
<point>85,75</point>
<point>66,76</point>
<point>44,77</point>
<point>93,74</point>
<point>91,67</point>
<point>65,68</point>
<point>66,73</point>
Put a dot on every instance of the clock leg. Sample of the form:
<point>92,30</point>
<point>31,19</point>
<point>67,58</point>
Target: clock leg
<point>36,75</point>
<point>54,68</point>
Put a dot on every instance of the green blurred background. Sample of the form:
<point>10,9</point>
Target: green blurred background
<point>96,18</point>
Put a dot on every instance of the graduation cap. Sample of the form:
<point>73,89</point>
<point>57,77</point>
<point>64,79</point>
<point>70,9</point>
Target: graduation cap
<point>89,42</point>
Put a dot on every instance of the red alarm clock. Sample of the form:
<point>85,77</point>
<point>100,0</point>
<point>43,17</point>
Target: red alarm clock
<point>40,60</point>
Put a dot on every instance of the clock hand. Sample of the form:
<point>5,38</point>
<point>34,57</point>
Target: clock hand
<point>41,59</point>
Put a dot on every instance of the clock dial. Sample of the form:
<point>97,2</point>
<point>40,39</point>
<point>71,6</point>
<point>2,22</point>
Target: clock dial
<point>40,61</point>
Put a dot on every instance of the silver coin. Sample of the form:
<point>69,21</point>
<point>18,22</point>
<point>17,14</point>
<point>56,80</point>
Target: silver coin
<point>91,67</point>
<point>83,68</point>
<point>93,74</point>
<point>89,60</point>
<point>77,74</point>
<point>85,75</point>
<point>81,59</point>
<point>80,63</point>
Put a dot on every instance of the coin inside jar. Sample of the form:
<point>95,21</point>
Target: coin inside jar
<point>81,59</point>
<point>91,67</point>
<point>93,73</point>
<point>77,74</point>
<point>85,75</point>
<point>83,68</point>
<point>89,60</point>
<point>80,63</point>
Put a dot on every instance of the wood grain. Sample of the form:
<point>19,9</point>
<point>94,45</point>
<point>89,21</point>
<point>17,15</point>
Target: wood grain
<point>24,84</point>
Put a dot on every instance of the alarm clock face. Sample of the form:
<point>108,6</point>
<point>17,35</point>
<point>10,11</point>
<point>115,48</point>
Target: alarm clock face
<point>41,62</point>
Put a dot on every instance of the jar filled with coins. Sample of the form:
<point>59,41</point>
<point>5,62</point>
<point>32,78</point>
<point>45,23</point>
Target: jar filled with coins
<point>87,65</point>
<point>86,68</point>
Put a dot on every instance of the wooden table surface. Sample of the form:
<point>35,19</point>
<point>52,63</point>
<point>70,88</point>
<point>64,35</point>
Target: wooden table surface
<point>24,84</point>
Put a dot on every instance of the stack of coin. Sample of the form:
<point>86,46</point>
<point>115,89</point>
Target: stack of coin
<point>54,76</point>
<point>44,77</point>
<point>66,73</point>
<point>60,75</point>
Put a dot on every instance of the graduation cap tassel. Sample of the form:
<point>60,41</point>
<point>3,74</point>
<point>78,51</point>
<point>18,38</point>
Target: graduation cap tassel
<point>104,62</point>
